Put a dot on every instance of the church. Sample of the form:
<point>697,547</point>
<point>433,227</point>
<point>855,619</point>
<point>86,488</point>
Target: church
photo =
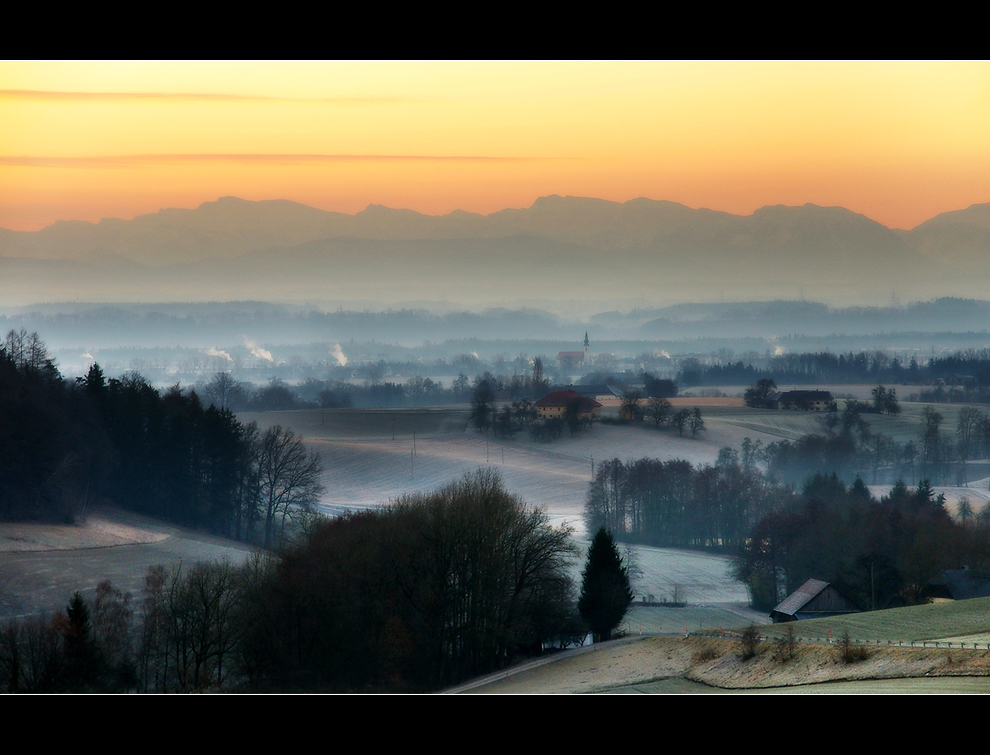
<point>570,359</point>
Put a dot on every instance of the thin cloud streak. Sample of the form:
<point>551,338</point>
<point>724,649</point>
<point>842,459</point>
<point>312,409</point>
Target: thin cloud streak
<point>142,160</point>
<point>40,94</point>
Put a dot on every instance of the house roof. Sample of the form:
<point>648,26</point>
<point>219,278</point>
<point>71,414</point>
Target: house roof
<point>566,398</point>
<point>805,395</point>
<point>801,597</point>
<point>591,391</point>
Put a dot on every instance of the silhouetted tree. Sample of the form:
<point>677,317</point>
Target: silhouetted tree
<point>758,395</point>
<point>605,591</point>
<point>659,410</point>
<point>288,480</point>
<point>482,405</point>
<point>697,422</point>
<point>434,589</point>
<point>629,409</point>
<point>80,648</point>
<point>224,392</point>
<point>659,387</point>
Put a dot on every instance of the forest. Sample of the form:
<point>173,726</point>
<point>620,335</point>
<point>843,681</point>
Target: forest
<point>66,446</point>
<point>781,537</point>
<point>880,553</point>
<point>432,590</point>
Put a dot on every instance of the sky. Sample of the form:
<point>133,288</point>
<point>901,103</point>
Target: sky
<point>896,141</point>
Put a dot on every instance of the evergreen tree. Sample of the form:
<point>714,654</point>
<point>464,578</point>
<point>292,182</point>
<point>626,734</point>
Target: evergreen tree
<point>80,649</point>
<point>605,591</point>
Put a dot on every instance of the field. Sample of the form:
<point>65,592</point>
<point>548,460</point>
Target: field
<point>791,425</point>
<point>373,456</point>
<point>700,664</point>
<point>667,665</point>
<point>41,566</point>
<point>960,621</point>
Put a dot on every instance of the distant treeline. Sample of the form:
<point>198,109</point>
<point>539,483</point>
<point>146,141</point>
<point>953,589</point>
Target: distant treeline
<point>960,377</point>
<point>223,390</point>
<point>167,323</point>
<point>67,445</point>
<point>850,448</point>
<point>968,370</point>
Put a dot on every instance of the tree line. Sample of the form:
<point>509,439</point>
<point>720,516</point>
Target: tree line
<point>675,504</point>
<point>223,390</point>
<point>807,368</point>
<point>879,553</point>
<point>65,446</point>
<point>850,447</point>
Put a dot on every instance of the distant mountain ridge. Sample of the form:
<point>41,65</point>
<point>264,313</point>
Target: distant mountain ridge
<point>230,227</point>
<point>571,247</point>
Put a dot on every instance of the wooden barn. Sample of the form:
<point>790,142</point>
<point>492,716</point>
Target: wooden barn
<point>812,600</point>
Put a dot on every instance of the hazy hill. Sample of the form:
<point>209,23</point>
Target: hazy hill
<point>561,248</point>
<point>960,238</point>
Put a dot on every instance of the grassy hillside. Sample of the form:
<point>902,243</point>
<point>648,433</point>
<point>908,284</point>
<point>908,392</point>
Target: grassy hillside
<point>968,619</point>
<point>697,664</point>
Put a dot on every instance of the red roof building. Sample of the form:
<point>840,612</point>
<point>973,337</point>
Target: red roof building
<point>556,403</point>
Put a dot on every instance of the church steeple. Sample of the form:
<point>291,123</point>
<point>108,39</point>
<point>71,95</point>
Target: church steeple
<point>587,343</point>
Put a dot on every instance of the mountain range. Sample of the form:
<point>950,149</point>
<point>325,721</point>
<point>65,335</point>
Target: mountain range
<point>561,249</point>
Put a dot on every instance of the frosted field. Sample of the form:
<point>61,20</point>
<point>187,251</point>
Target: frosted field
<point>365,466</point>
<point>371,457</point>
<point>41,566</point>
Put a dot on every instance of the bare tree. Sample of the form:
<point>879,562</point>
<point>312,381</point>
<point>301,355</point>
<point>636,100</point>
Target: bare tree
<point>680,419</point>
<point>630,410</point>
<point>28,351</point>
<point>659,410</point>
<point>538,382</point>
<point>288,480</point>
<point>967,430</point>
<point>697,422</point>
<point>223,391</point>
<point>190,628</point>
<point>112,627</point>
<point>759,395</point>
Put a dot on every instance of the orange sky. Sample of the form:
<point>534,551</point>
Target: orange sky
<point>898,142</point>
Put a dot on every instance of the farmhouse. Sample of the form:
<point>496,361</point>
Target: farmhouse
<point>812,600</point>
<point>556,403</point>
<point>815,401</point>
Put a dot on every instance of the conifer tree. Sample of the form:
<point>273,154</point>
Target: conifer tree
<point>605,591</point>
<point>80,648</point>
